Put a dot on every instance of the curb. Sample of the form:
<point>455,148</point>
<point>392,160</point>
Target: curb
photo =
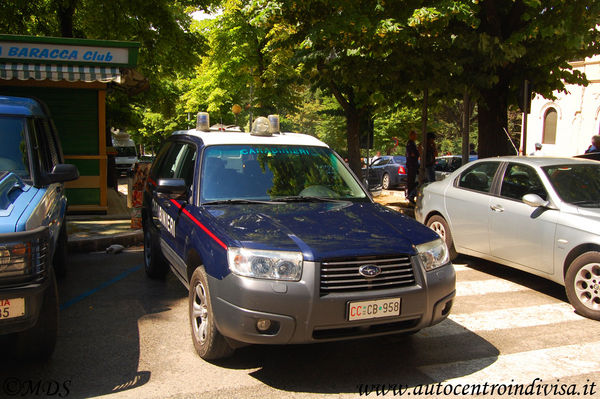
<point>98,243</point>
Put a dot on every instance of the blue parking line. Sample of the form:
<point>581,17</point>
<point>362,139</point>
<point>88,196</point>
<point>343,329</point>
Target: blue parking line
<point>100,287</point>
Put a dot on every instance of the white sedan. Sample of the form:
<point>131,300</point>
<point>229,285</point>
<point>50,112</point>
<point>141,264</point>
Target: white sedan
<point>540,215</point>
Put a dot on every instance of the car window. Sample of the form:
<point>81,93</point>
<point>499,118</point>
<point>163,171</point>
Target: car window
<point>479,177</point>
<point>400,159</point>
<point>13,147</point>
<point>576,184</point>
<point>441,164</point>
<point>178,163</point>
<point>268,172</point>
<point>519,180</point>
<point>380,162</point>
<point>41,148</point>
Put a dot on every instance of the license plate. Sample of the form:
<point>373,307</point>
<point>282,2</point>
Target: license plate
<point>13,307</point>
<point>374,309</point>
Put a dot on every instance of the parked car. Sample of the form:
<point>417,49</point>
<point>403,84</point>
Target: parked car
<point>278,243</point>
<point>540,215</point>
<point>447,164</point>
<point>590,155</point>
<point>33,235</point>
<point>389,171</point>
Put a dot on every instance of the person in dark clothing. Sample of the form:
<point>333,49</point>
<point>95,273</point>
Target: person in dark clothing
<point>595,147</point>
<point>472,150</point>
<point>432,153</point>
<point>412,166</point>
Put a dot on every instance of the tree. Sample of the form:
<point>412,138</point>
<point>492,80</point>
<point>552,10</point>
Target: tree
<point>521,40</point>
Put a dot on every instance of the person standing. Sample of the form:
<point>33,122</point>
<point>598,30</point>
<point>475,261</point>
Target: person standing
<point>412,166</point>
<point>595,147</point>
<point>431,154</point>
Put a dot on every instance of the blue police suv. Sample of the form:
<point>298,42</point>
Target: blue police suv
<point>32,229</point>
<point>278,243</point>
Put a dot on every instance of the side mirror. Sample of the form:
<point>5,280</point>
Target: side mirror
<point>63,172</point>
<point>171,188</point>
<point>535,201</point>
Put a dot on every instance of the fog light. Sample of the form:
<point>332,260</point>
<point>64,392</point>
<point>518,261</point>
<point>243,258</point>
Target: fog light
<point>263,324</point>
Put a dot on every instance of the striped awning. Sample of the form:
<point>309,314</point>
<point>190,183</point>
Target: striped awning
<point>70,73</point>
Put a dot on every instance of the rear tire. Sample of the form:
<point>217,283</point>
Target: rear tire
<point>582,283</point>
<point>155,264</point>
<point>385,181</point>
<point>38,342</point>
<point>208,341</point>
<point>440,226</point>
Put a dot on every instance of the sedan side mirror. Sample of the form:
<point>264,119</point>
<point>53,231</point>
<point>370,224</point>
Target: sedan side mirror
<point>172,188</point>
<point>535,201</point>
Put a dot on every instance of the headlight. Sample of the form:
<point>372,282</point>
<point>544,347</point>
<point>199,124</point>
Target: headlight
<point>14,259</point>
<point>433,254</point>
<point>274,265</point>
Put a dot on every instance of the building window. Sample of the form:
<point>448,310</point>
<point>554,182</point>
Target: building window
<point>550,119</point>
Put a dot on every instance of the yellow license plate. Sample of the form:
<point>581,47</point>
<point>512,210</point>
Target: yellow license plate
<point>11,308</point>
<point>374,309</point>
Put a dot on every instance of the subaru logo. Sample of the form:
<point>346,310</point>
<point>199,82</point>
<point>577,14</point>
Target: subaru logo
<point>369,270</point>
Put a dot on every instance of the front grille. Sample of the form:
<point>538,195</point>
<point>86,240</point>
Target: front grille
<point>341,275</point>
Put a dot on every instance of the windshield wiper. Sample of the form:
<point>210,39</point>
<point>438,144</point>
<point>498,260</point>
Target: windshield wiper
<point>239,201</point>
<point>303,198</point>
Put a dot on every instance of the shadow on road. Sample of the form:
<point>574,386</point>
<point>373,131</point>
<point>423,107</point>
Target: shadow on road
<point>342,367</point>
<point>98,346</point>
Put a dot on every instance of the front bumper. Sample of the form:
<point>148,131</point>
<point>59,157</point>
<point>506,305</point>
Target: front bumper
<point>31,284</point>
<point>299,314</point>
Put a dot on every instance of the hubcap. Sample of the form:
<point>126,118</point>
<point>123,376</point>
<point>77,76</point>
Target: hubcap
<point>439,229</point>
<point>386,181</point>
<point>200,313</point>
<point>587,286</point>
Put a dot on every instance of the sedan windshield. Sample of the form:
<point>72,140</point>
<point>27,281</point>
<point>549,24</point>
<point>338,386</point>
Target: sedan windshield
<point>576,184</point>
<point>284,173</point>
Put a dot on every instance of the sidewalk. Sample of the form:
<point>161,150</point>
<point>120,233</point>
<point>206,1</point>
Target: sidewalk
<point>89,233</point>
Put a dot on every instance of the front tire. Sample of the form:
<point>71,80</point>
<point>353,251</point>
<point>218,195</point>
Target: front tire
<point>38,342</point>
<point>208,341</point>
<point>59,260</point>
<point>155,264</point>
<point>582,283</point>
<point>385,181</point>
<point>440,226</point>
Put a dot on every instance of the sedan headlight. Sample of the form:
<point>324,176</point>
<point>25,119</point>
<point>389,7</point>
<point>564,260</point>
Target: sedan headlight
<point>273,265</point>
<point>433,254</point>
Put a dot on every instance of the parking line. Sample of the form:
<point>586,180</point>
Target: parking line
<point>98,288</point>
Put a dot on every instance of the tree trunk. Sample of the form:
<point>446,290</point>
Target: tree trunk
<point>353,139</point>
<point>493,122</point>
<point>65,13</point>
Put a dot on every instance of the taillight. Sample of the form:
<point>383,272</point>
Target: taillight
<point>401,170</point>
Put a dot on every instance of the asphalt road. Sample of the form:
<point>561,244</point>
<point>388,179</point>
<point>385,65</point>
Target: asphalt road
<point>126,336</point>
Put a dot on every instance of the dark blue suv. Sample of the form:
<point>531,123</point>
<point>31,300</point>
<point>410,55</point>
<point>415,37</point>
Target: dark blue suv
<point>278,243</point>
<point>32,230</point>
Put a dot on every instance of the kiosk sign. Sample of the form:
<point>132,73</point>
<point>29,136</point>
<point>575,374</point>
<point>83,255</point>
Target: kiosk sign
<point>45,52</point>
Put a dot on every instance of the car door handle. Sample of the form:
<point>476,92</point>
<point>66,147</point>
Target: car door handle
<point>497,208</point>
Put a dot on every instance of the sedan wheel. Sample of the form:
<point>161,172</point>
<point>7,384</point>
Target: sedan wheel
<point>385,182</point>
<point>582,283</point>
<point>440,226</point>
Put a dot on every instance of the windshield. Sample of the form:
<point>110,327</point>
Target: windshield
<point>576,184</point>
<point>125,151</point>
<point>261,172</point>
<point>13,147</point>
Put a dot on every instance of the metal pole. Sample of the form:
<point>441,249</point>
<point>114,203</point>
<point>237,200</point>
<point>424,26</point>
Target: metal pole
<point>526,100</point>
<point>465,127</point>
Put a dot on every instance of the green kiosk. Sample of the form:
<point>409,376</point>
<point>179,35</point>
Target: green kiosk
<point>72,76</point>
